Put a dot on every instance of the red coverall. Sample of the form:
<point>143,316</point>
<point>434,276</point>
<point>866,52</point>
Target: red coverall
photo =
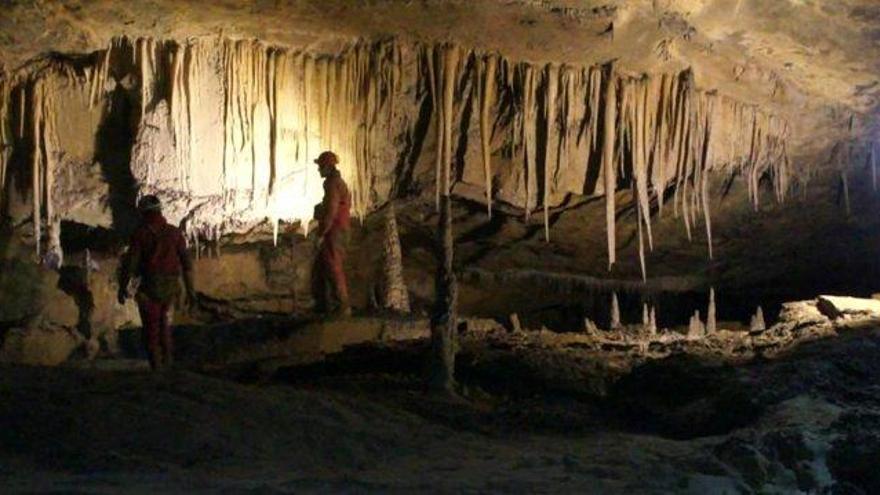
<point>333,226</point>
<point>157,254</point>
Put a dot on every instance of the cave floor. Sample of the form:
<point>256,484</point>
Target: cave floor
<point>806,420</point>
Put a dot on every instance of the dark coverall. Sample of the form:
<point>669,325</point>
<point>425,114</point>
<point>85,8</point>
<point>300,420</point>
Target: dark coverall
<point>334,222</point>
<point>157,254</point>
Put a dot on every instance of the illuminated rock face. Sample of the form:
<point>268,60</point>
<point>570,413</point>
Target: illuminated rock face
<point>225,132</point>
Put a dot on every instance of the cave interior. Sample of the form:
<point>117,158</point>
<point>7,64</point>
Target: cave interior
<point>639,239</point>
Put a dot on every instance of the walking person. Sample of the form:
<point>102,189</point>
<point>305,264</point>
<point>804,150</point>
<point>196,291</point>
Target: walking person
<point>157,254</point>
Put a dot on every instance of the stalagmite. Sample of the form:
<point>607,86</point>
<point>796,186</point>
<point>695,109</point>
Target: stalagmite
<point>652,321</point>
<point>444,324</point>
<point>515,325</point>
<point>711,325</point>
<point>53,258</point>
<point>396,297</point>
<point>590,328</point>
<point>646,316</point>
<point>486,102</point>
<point>757,324</point>
<point>615,312</point>
<point>608,163</point>
<point>696,329</point>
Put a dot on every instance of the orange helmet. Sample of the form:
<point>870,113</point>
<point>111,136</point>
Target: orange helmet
<point>327,158</point>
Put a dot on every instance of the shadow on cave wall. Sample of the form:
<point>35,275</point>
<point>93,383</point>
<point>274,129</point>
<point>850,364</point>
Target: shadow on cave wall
<point>113,148</point>
<point>413,143</point>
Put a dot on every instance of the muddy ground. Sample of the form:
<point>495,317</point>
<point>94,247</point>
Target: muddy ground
<point>533,417</point>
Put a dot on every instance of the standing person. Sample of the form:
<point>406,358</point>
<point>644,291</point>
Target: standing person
<point>157,254</point>
<point>334,222</point>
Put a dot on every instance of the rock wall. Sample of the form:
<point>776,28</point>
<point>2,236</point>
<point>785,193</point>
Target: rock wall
<point>225,132</point>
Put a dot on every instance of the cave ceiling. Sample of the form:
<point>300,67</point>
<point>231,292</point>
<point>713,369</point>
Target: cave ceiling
<point>815,61</point>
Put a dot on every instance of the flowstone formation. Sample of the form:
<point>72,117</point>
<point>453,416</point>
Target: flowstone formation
<point>225,131</point>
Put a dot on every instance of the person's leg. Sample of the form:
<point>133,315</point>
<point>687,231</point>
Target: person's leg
<point>150,312</point>
<point>166,336</point>
<point>335,260</point>
<point>319,284</point>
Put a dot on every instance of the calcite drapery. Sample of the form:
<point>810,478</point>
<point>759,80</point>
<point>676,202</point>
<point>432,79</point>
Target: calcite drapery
<point>228,129</point>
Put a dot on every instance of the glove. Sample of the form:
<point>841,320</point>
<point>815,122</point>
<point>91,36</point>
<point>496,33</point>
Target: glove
<point>122,295</point>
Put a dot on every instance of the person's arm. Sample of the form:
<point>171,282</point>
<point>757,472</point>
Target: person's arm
<point>187,268</point>
<point>128,263</point>
<point>331,207</point>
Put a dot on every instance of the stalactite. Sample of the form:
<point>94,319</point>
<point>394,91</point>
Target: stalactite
<point>48,139</point>
<point>7,139</point>
<point>529,130</point>
<point>639,133</point>
<point>273,82</point>
<point>704,176</point>
<point>486,102</point>
<point>435,68</point>
<point>37,168</point>
<point>595,100</point>
<point>98,76</point>
<point>608,163</point>
<point>678,137</point>
<point>571,85</point>
<point>641,241</point>
<point>142,62</point>
<point>280,105</point>
<point>844,183</point>
<point>451,61</point>
<point>44,152</point>
<point>686,160</point>
<point>552,76</point>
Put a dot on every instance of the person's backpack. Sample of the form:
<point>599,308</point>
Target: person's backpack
<point>160,251</point>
